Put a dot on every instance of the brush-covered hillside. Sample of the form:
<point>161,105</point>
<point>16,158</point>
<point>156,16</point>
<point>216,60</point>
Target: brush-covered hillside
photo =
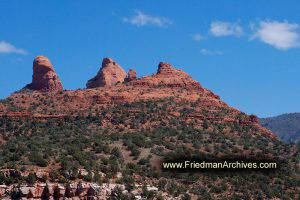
<point>109,141</point>
<point>286,126</point>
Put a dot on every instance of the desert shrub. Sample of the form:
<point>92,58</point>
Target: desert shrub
<point>31,179</point>
<point>37,159</point>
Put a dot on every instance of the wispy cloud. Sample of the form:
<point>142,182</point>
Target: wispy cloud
<point>141,19</point>
<point>7,48</point>
<point>208,52</point>
<point>281,35</point>
<point>198,37</point>
<point>221,28</point>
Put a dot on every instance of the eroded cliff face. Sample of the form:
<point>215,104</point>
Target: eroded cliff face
<point>168,76</point>
<point>54,191</point>
<point>44,76</point>
<point>109,74</point>
<point>75,190</point>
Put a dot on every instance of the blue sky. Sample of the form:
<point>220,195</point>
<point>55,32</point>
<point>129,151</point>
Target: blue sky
<point>245,51</point>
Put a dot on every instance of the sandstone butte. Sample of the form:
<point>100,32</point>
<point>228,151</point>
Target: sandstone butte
<point>168,76</point>
<point>109,74</point>
<point>44,77</point>
<point>168,82</point>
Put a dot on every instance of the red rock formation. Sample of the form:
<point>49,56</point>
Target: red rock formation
<point>168,82</point>
<point>44,77</point>
<point>109,74</point>
<point>168,76</point>
<point>165,68</point>
<point>131,75</point>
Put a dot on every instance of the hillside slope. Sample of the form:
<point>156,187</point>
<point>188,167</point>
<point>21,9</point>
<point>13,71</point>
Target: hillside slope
<point>286,126</point>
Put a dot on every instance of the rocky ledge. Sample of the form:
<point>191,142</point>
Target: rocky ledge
<point>74,191</point>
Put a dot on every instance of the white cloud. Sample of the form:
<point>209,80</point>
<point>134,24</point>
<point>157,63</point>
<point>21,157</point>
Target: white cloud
<point>141,19</point>
<point>281,35</point>
<point>6,47</point>
<point>208,52</point>
<point>220,28</point>
<point>198,37</point>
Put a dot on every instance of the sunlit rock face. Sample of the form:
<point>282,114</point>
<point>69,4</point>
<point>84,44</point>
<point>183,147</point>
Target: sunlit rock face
<point>44,77</point>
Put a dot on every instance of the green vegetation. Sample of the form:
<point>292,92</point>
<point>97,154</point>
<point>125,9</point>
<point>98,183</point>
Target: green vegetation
<point>71,144</point>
